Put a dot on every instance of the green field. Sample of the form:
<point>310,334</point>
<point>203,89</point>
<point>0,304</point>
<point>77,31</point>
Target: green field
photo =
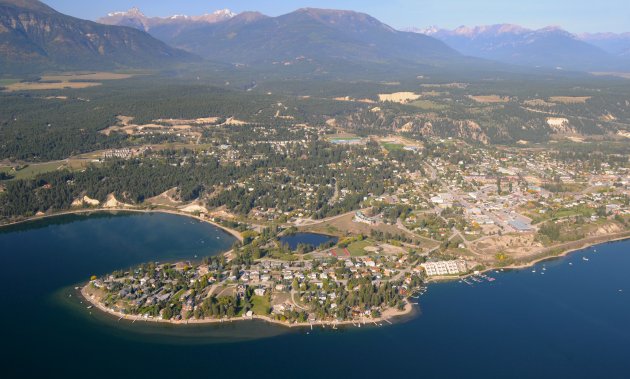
<point>7,82</point>
<point>392,146</point>
<point>357,249</point>
<point>33,170</point>
<point>428,105</point>
<point>260,305</point>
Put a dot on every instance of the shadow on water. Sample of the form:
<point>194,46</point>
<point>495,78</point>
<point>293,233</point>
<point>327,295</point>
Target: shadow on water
<point>70,301</point>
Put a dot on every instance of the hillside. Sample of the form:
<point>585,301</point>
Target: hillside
<point>613,43</point>
<point>35,37</point>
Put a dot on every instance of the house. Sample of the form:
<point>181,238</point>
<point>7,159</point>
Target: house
<point>259,292</point>
<point>240,290</point>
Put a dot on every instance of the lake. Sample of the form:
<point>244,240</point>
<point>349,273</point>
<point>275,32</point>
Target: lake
<point>568,320</point>
<point>313,239</point>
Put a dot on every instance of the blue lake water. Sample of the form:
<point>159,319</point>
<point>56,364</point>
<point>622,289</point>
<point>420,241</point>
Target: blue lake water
<point>570,322</point>
<point>306,238</point>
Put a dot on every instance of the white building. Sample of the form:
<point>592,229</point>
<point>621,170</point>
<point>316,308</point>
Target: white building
<point>444,268</point>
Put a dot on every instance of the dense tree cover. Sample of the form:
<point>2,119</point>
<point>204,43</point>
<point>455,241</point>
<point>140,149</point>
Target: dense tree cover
<point>265,176</point>
<point>40,125</point>
<point>550,230</point>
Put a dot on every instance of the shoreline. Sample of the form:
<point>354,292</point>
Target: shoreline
<point>389,316</point>
<point>584,244</point>
<point>236,234</point>
<point>571,247</point>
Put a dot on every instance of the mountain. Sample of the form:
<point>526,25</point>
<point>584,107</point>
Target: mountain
<point>309,35</point>
<point>136,19</point>
<point>613,43</point>
<point>164,28</point>
<point>35,37</point>
<point>549,47</point>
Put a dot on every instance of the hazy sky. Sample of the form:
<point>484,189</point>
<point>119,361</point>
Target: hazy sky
<point>573,15</point>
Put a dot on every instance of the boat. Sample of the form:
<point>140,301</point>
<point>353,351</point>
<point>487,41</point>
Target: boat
<point>570,263</point>
<point>585,259</point>
<point>534,271</point>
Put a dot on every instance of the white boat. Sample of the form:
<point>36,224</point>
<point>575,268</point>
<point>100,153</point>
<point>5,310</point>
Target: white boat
<point>585,259</point>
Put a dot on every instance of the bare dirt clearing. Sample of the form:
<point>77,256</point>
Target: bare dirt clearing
<point>490,99</point>
<point>569,99</point>
<point>66,81</point>
<point>398,97</point>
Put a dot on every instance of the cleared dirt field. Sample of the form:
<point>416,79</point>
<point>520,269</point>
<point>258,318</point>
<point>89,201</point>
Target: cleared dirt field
<point>65,81</point>
<point>37,86</point>
<point>398,97</point>
<point>569,99</point>
<point>165,199</point>
<point>88,76</point>
<point>345,225</point>
<point>491,99</point>
<point>538,103</point>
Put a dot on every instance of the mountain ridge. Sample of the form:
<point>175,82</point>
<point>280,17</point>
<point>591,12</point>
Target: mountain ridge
<point>307,34</point>
<point>551,46</point>
<point>134,17</point>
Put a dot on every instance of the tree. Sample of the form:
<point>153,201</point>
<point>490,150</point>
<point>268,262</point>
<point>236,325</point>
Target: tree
<point>167,313</point>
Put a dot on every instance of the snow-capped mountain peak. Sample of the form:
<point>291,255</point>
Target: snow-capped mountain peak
<point>224,12</point>
<point>135,12</point>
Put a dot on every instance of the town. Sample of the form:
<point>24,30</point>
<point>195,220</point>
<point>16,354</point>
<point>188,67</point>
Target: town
<point>447,209</point>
